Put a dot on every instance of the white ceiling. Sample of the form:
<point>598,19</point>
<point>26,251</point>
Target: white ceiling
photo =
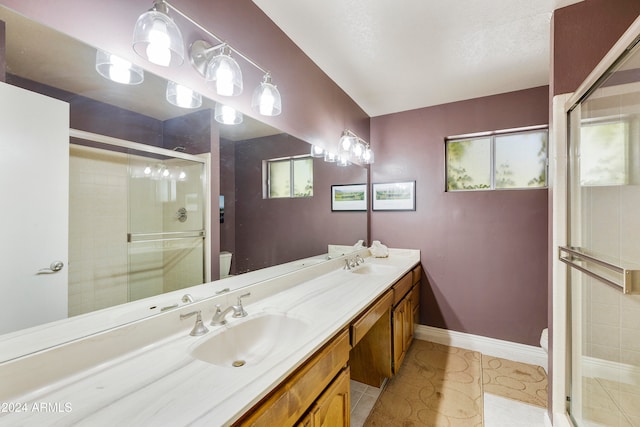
<point>398,55</point>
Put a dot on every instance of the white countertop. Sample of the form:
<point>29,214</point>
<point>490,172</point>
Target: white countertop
<point>162,384</point>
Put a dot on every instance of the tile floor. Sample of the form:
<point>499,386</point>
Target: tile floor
<point>498,411</point>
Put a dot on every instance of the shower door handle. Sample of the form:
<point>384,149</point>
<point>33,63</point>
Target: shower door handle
<point>53,268</point>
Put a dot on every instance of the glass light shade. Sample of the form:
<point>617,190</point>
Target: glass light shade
<point>357,151</point>
<point>114,68</point>
<point>266,98</point>
<point>330,157</point>
<point>225,75</point>
<point>367,156</point>
<point>343,160</point>
<point>346,142</point>
<point>182,96</point>
<point>157,38</point>
<point>317,151</point>
<point>227,115</point>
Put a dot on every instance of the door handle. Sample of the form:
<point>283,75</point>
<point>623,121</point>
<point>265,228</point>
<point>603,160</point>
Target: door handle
<point>53,268</point>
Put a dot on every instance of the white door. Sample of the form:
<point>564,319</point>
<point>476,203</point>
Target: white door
<point>34,192</point>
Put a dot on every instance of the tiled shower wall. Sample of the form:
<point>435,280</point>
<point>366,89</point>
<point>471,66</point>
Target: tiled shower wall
<point>612,319</point>
<point>97,229</point>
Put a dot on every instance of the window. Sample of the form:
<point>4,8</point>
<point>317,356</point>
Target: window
<point>289,177</point>
<point>501,160</point>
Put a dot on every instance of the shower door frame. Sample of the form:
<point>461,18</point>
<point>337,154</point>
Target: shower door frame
<point>561,329</point>
<point>205,159</point>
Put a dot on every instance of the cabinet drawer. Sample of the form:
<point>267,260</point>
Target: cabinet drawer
<point>290,400</point>
<point>417,274</point>
<point>401,288</point>
<point>365,322</point>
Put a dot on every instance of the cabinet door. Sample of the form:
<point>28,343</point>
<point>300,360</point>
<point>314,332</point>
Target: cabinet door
<point>332,409</point>
<point>407,331</point>
<point>399,326</point>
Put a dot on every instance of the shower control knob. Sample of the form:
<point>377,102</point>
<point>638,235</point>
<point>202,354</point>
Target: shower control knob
<point>53,268</point>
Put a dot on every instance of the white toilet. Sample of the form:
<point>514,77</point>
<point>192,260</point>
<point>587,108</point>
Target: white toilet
<point>225,264</point>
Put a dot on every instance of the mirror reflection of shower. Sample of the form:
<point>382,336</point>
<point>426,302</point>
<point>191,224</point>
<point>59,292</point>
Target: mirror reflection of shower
<point>137,225</point>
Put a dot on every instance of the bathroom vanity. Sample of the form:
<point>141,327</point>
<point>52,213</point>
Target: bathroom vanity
<point>288,362</point>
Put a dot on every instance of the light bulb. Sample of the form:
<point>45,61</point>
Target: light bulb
<point>182,175</point>
<point>147,170</point>
<point>267,101</point>
<point>120,70</point>
<point>358,150</point>
<point>317,151</point>
<point>224,81</point>
<point>158,50</point>
<point>165,172</point>
<point>228,114</point>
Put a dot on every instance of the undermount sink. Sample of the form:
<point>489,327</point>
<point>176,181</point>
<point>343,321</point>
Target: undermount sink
<point>372,269</point>
<point>251,341</point>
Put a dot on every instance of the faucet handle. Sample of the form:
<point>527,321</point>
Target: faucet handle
<point>240,311</point>
<point>198,328</point>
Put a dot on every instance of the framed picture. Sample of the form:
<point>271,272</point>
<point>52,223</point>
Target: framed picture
<point>352,197</point>
<point>394,196</point>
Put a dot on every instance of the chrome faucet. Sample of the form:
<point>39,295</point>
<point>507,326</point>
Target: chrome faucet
<point>238,311</point>
<point>198,328</point>
<point>350,263</point>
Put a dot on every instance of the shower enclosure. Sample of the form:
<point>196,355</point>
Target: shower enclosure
<point>137,221</point>
<point>603,248</point>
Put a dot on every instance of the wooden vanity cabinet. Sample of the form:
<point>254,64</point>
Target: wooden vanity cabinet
<point>315,387</point>
<point>382,334</point>
<point>405,314</point>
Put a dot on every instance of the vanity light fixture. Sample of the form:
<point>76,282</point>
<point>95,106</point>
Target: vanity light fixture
<point>157,38</point>
<point>352,148</point>
<point>227,115</point>
<point>116,69</point>
<point>182,96</point>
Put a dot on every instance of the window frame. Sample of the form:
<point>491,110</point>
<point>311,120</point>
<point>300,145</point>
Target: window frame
<point>492,135</point>
<point>266,176</point>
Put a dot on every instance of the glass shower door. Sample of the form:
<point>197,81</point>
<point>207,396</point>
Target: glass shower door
<point>166,225</point>
<point>604,251</point>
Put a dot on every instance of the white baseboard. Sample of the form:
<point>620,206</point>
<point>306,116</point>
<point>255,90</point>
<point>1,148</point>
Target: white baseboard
<point>489,346</point>
<point>613,371</point>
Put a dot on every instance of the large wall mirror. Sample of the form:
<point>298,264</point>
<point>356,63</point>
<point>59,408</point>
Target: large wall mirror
<point>142,216</point>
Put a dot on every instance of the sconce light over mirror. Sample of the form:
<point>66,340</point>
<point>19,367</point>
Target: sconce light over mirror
<point>158,39</point>
<point>353,149</point>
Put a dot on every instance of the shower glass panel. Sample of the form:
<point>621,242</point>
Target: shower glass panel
<point>604,206</point>
<point>136,222</point>
<point>166,225</point>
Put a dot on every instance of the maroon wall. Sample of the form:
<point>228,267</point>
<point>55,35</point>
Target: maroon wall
<point>582,34</point>
<point>484,253</point>
<point>273,231</point>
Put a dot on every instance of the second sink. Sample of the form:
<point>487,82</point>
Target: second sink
<point>249,342</point>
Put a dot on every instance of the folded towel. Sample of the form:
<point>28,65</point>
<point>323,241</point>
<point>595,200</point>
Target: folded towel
<point>379,250</point>
<point>359,244</point>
